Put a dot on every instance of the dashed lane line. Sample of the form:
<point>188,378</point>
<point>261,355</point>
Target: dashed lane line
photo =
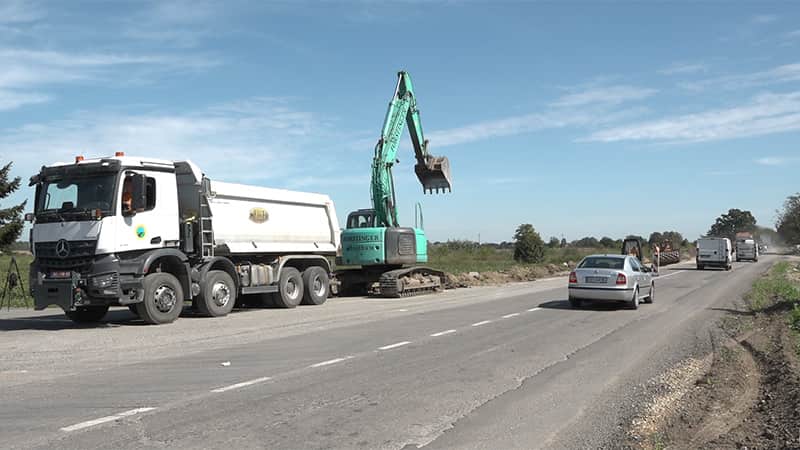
<point>241,385</point>
<point>395,345</point>
<point>477,324</point>
<point>330,361</point>
<point>101,420</point>
<point>442,333</point>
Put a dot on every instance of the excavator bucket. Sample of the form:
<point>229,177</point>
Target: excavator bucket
<point>434,174</point>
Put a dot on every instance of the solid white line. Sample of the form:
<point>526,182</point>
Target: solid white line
<point>442,333</point>
<point>534,309</point>
<point>329,362</point>
<point>508,316</point>
<point>241,385</point>
<point>477,324</point>
<point>91,423</point>
<point>391,346</point>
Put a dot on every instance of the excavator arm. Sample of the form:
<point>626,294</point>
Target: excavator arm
<point>433,171</point>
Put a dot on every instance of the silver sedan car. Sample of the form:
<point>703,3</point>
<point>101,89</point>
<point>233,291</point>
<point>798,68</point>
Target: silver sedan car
<point>611,278</point>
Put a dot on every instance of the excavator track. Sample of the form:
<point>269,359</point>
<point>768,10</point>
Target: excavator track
<point>410,281</point>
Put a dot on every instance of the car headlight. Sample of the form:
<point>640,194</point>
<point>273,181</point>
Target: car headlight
<point>103,281</point>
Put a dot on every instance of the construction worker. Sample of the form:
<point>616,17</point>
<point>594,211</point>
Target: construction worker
<point>127,196</point>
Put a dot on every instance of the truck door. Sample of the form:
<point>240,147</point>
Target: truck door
<point>148,206</point>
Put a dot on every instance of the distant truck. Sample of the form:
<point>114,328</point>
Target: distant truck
<point>150,234</point>
<point>746,249</point>
<point>714,252</point>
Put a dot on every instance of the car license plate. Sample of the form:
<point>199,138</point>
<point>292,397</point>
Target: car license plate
<point>59,274</point>
<point>596,279</point>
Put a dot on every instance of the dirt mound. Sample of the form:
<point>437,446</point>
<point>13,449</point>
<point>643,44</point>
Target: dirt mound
<point>514,274</point>
<point>747,398</point>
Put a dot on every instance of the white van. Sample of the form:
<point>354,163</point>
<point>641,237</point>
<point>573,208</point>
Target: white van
<point>746,249</point>
<point>714,252</point>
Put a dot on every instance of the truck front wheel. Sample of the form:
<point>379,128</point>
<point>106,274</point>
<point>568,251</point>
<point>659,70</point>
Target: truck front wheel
<point>163,299</point>
<point>316,285</point>
<point>290,286</point>
<point>218,294</point>
<point>87,314</point>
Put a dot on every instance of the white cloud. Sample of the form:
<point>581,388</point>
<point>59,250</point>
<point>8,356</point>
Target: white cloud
<point>264,140</point>
<point>609,95</point>
<point>780,74</point>
<point>510,126</point>
<point>775,161</point>
<point>19,11</point>
<point>13,100</point>
<point>27,73</point>
<point>684,69</point>
<point>792,34</point>
<point>764,114</point>
<point>763,19</point>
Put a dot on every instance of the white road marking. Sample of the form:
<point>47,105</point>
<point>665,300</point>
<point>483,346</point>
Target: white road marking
<point>400,310</point>
<point>508,316</point>
<point>91,423</point>
<point>241,385</point>
<point>534,309</point>
<point>442,333</point>
<point>660,277</point>
<point>391,346</point>
<point>331,361</point>
<point>477,324</point>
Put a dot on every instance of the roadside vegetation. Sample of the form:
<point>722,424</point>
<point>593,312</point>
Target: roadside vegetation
<point>778,292</point>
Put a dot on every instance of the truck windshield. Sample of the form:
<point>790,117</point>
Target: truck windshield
<point>74,198</point>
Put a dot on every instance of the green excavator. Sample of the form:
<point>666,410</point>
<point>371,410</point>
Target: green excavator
<point>387,254</point>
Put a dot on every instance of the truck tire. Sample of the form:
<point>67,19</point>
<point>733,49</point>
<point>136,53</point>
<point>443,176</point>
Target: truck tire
<point>163,299</point>
<point>290,287</point>
<point>87,314</point>
<point>217,294</point>
<point>316,286</point>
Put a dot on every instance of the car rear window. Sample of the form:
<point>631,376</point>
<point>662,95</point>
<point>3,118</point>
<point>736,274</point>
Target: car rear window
<point>602,262</point>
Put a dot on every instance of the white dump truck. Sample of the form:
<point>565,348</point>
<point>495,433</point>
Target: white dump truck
<point>150,234</point>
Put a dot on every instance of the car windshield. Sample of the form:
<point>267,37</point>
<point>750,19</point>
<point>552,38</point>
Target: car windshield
<point>602,262</point>
<point>71,195</point>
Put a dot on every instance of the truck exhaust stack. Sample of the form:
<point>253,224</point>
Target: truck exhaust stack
<point>434,174</point>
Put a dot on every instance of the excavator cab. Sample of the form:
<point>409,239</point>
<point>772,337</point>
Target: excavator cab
<point>434,174</point>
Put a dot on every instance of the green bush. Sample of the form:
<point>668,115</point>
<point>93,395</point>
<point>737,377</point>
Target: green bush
<point>528,245</point>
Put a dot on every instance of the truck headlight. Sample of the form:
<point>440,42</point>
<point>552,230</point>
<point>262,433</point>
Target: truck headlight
<point>103,281</point>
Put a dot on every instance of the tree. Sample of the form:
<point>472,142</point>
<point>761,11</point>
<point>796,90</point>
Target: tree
<point>736,220</point>
<point>528,245</point>
<point>10,218</point>
<point>607,242</point>
<point>553,242</point>
<point>788,223</point>
<point>586,242</point>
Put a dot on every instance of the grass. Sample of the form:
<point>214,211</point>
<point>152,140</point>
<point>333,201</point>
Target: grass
<point>462,259</point>
<point>773,289</point>
<point>778,290</point>
<point>15,295</point>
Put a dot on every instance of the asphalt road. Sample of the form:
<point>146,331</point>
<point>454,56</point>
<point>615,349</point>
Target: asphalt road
<point>493,367</point>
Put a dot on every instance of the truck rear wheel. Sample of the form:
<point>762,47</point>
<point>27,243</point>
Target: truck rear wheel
<point>316,285</point>
<point>163,299</point>
<point>290,286</point>
<point>218,294</point>
<point>87,314</point>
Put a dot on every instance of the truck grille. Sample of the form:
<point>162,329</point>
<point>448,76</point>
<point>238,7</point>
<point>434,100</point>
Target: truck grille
<point>78,258</point>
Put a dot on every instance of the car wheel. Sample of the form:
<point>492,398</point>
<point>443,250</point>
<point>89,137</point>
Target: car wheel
<point>652,293</point>
<point>634,302</point>
<point>575,302</point>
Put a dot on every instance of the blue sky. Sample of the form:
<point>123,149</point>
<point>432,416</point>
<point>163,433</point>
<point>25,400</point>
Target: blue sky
<point>596,118</point>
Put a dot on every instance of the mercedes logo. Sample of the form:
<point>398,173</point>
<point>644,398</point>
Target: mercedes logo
<point>62,248</point>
